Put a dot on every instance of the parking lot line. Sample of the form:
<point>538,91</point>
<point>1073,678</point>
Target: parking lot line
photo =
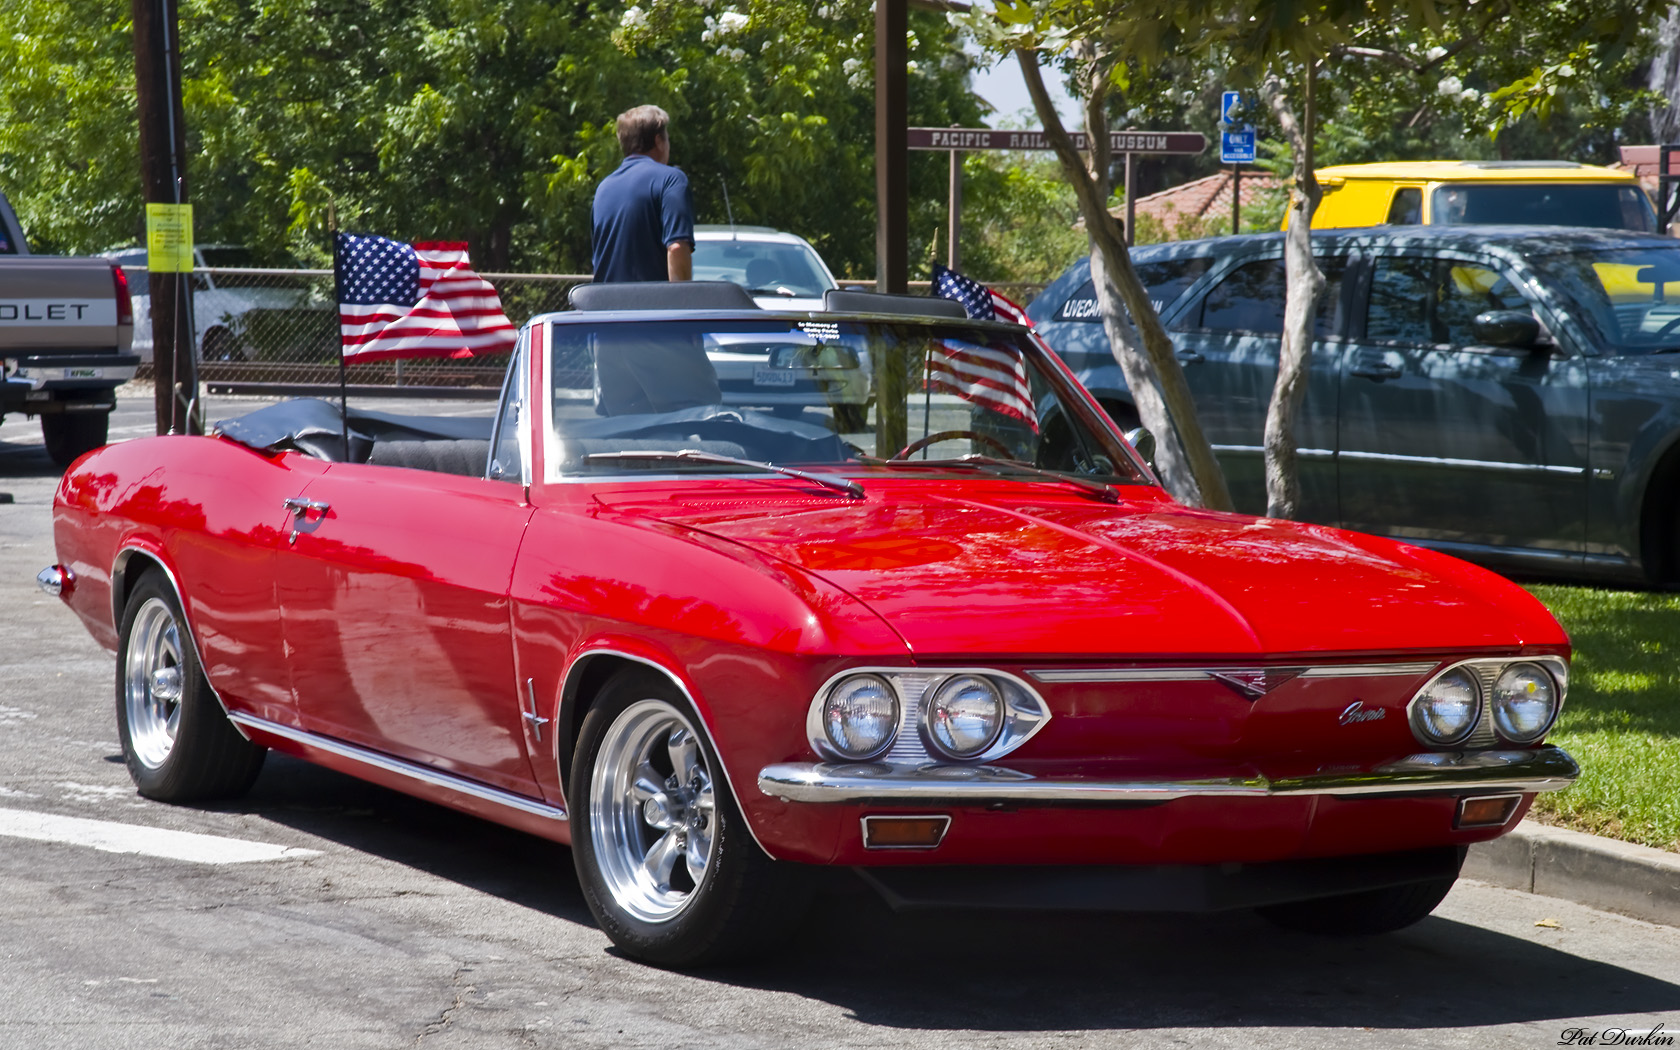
<point>151,842</point>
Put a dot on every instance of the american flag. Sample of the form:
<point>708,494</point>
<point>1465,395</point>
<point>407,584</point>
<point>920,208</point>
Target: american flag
<point>992,377</point>
<point>420,300</point>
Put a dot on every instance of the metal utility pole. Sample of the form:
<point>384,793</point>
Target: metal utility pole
<point>163,177</point>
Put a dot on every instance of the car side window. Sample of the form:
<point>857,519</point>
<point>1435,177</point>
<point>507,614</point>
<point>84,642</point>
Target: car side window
<point>507,460</point>
<point>1251,299</point>
<point>1434,301</point>
<point>1407,208</point>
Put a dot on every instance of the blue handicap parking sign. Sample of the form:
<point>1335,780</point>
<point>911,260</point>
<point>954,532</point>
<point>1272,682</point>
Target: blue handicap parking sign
<point>1237,146</point>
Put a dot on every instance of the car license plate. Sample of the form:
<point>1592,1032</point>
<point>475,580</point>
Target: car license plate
<point>774,377</point>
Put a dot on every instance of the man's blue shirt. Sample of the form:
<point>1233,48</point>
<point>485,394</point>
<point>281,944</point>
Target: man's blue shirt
<point>639,210</point>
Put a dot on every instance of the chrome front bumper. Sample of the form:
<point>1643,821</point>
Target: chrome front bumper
<point>1430,773</point>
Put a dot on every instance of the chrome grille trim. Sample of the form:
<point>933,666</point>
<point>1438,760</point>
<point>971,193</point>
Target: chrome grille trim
<point>1191,674</point>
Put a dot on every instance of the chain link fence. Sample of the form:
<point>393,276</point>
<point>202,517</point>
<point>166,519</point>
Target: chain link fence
<point>262,326</point>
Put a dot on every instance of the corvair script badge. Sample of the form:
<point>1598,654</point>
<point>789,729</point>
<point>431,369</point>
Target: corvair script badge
<point>1357,712</point>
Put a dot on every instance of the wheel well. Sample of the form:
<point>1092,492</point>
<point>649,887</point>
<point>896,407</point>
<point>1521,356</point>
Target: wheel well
<point>583,685</point>
<point>1659,508</point>
<point>131,566</point>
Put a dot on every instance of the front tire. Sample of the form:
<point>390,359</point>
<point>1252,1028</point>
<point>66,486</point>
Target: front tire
<point>176,739</point>
<point>1361,914</point>
<point>70,435</point>
<point>663,856</point>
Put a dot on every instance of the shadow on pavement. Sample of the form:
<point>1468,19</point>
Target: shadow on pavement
<point>1017,972</point>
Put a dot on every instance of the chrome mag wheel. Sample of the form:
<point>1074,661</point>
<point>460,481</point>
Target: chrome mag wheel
<point>653,814</point>
<point>152,683</point>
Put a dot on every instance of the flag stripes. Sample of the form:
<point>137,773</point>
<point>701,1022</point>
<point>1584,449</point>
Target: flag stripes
<point>422,300</point>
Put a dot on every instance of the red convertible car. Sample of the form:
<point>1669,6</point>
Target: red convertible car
<point>972,653</point>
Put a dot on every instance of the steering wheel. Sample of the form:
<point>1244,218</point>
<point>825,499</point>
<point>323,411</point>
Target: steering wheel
<point>951,435</point>
<point>1667,328</point>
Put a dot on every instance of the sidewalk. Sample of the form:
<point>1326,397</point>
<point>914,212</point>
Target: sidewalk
<point>1601,873</point>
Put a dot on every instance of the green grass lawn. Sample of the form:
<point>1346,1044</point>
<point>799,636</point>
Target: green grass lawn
<point>1622,718</point>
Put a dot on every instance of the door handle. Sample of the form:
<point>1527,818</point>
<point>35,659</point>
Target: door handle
<point>1190,357</point>
<point>1376,370</point>
<point>301,509</point>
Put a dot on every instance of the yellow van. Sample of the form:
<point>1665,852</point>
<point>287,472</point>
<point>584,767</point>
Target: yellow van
<point>1482,192</point>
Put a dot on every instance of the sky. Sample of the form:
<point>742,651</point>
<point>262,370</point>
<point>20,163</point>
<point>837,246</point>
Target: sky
<point>1002,86</point>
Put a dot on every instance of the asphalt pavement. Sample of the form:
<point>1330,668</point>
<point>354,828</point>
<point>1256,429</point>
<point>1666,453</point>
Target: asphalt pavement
<point>323,912</point>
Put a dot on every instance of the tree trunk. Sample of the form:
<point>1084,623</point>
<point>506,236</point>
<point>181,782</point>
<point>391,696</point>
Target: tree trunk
<point>1304,285</point>
<point>1665,77</point>
<point>1144,352</point>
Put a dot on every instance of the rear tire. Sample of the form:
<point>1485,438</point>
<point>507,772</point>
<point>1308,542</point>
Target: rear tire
<point>663,855</point>
<point>69,435</point>
<point>176,739</point>
<point>1361,914</point>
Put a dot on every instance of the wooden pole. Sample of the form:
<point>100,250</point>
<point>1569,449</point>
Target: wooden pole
<point>954,253</point>
<point>892,209</point>
<point>892,181</point>
<point>163,177</point>
<point>1131,207</point>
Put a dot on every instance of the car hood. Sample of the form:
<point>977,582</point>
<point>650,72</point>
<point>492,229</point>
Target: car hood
<point>1026,569</point>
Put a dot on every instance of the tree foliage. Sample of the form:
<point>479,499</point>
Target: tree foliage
<point>485,120</point>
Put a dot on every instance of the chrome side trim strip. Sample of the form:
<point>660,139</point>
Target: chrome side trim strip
<point>401,767</point>
<point>1395,457</point>
<point>1260,450</point>
<point>1191,674</point>
<point>1463,464</point>
<point>1545,769</point>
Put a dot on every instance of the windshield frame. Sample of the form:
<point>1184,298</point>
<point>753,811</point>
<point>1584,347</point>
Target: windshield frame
<point>1073,399</point>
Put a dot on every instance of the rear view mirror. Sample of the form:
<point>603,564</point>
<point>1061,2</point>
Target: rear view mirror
<point>1513,328</point>
<point>1142,440</point>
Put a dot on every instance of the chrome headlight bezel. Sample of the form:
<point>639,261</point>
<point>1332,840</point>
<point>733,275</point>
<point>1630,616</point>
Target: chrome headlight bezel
<point>817,721</point>
<point>1420,703</point>
<point>1488,730</point>
<point>1498,710</point>
<point>931,735</point>
<point>1024,714</point>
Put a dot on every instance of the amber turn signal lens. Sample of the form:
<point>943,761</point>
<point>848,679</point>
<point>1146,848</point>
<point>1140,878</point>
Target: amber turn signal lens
<point>904,832</point>
<point>1491,811</point>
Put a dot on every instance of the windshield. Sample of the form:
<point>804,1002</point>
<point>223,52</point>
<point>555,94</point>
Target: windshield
<point>835,396</point>
<point>763,267</point>
<point>1628,298</point>
<point>1545,204</point>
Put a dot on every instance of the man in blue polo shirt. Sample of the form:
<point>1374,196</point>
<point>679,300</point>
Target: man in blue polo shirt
<point>644,219</point>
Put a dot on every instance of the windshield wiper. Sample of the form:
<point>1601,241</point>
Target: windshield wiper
<point>692,455</point>
<point>1001,467</point>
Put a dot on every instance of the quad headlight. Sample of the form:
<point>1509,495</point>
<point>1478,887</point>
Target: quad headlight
<point>1478,702</point>
<point>1525,700</point>
<point>860,716</point>
<point>1447,709</point>
<point>962,716</point>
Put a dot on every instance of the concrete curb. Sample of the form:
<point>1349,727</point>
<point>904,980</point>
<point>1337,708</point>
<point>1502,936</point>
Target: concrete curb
<point>1601,873</point>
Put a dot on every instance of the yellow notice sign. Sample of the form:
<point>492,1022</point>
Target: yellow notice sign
<point>169,238</point>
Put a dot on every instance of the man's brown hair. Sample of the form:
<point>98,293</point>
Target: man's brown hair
<point>639,129</point>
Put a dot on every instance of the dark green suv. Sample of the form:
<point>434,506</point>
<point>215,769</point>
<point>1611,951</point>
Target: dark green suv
<point>1507,394</point>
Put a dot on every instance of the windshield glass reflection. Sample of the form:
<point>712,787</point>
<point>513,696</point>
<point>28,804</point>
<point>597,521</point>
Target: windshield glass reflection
<point>1629,298</point>
<point>837,396</point>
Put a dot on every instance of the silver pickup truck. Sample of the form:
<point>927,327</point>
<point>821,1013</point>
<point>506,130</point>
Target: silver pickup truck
<point>66,325</point>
